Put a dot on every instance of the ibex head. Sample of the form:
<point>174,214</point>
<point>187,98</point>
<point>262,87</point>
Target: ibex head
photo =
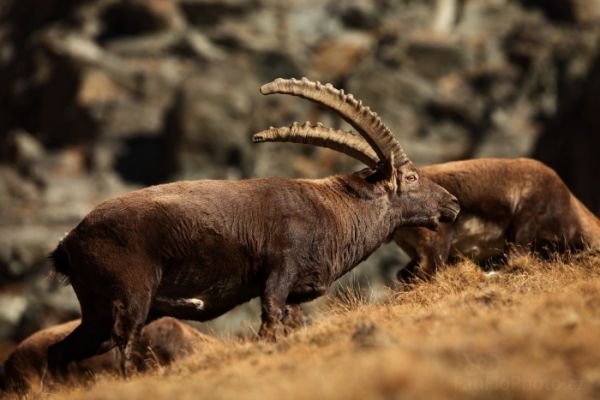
<point>415,200</point>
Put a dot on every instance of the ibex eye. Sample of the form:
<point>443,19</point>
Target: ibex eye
<point>411,178</point>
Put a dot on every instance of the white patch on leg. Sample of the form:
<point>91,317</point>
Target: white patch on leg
<point>195,303</point>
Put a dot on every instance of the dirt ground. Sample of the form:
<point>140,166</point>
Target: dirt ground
<point>529,330</point>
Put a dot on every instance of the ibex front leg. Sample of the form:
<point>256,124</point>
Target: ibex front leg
<point>274,296</point>
<point>431,251</point>
<point>294,317</point>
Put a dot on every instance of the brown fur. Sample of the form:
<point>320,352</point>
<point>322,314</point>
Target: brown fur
<point>196,249</point>
<point>506,206</point>
<point>161,343</point>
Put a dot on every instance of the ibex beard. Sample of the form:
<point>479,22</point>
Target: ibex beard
<point>196,249</point>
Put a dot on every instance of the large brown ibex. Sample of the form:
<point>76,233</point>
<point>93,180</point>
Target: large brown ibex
<point>161,343</point>
<point>506,205</point>
<point>196,249</point>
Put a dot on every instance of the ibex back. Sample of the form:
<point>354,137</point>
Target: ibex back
<point>196,249</point>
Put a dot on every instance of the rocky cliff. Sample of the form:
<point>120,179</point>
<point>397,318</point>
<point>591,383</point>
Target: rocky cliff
<point>101,96</point>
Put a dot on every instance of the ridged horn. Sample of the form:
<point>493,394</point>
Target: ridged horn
<point>318,135</point>
<point>365,121</point>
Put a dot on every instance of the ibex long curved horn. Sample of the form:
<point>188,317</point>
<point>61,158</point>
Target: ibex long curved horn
<point>365,121</point>
<point>318,135</point>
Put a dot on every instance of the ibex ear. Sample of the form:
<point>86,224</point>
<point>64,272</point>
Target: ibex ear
<point>390,174</point>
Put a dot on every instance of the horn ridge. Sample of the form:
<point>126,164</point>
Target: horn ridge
<point>319,135</point>
<point>361,117</point>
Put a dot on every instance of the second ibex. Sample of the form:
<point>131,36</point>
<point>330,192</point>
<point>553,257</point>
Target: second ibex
<point>196,249</point>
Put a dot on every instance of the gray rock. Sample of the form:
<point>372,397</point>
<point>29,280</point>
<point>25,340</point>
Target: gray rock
<point>11,310</point>
<point>209,123</point>
<point>135,17</point>
<point>574,11</point>
<point>205,13</point>
<point>436,56</point>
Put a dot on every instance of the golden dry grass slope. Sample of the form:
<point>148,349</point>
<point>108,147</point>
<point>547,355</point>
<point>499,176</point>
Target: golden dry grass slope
<point>529,331</point>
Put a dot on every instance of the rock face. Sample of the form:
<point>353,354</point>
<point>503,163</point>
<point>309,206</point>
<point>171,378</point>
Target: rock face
<point>570,141</point>
<point>101,96</point>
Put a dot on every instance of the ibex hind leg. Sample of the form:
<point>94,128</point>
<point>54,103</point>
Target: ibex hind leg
<point>91,337</point>
<point>521,236</point>
<point>273,300</point>
<point>130,310</point>
<point>114,306</point>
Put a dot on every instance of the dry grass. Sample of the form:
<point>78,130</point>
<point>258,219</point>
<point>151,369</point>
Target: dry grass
<point>530,331</point>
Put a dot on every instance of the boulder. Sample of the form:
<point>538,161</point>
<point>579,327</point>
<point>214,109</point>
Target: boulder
<point>209,123</point>
<point>135,17</point>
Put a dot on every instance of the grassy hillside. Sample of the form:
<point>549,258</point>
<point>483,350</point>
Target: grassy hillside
<point>529,331</point>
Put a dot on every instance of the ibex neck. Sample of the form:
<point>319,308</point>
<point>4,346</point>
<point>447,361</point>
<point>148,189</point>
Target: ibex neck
<point>364,221</point>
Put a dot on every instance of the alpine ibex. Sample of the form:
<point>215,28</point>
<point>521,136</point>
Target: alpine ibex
<point>196,249</point>
<point>161,343</point>
<point>506,206</point>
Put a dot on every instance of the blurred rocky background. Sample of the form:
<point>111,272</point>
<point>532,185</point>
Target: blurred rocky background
<point>98,97</point>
